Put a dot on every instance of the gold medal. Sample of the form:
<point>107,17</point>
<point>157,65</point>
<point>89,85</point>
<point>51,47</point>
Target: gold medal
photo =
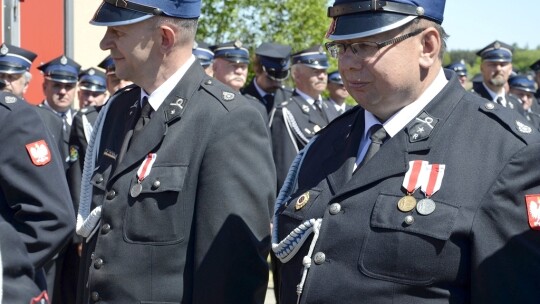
<point>302,201</point>
<point>406,203</point>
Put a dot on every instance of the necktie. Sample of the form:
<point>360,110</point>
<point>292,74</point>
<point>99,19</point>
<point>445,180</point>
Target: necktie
<point>145,115</point>
<point>500,101</point>
<point>268,102</point>
<point>378,136</point>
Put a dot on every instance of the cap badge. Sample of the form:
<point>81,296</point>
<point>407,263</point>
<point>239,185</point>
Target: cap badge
<point>10,99</point>
<point>195,45</point>
<point>228,96</point>
<point>302,201</point>
<point>237,44</point>
<point>4,50</point>
<point>321,50</point>
<point>123,3</point>
<point>63,60</point>
<point>523,128</point>
<point>497,45</point>
<point>91,72</point>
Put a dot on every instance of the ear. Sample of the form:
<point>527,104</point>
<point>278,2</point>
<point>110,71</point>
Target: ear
<point>168,38</point>
<point>430,48</point>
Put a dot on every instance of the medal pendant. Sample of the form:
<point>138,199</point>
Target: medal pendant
<point>302,201</point>
<point>406,203</point>
<point>425,206</point>
<point>135,190</point>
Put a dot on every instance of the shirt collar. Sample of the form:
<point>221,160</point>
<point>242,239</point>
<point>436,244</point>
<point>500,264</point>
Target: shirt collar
<point>306,97</point>
<point>400,119</point>
<point>158,96</point>
<point>258,88</point>
<point>493,94</point>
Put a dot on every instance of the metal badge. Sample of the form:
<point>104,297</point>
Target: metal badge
<point>238,44</point>
<point>91,72</point>
<point>110,154</point>
<point>305,108</point>
<point>421,127</point>
<point>4,50</point>
<point>135,190</point>
<point>228,96</point>
<point>63,60</point>
<point>523,128</point>
<point>302,201</point>
<point>425,206</point>
<point>10,99</point>
<point>316,128</point>
<point>406,203</point>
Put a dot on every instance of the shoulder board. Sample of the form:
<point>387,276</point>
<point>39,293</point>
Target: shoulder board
<point>283,104</point>
<point>8,100</point>
<point>511,120</point>
<point>220,91</point>
<point>125,89</point>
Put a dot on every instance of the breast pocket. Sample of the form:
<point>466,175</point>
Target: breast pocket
<point>156,215</point>
<point>405,253</point>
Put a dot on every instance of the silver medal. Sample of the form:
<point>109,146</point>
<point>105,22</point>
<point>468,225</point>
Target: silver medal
<point>425,206</point>
<point>136,190</point>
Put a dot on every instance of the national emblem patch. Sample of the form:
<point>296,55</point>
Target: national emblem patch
<point>39,152</point>
<point>533,210</point>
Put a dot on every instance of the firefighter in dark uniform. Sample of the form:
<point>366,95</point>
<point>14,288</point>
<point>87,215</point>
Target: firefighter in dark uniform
<point>337,92</point>
<point>524,87</point>
<point>295,121</point>
<point>496,68</point>
<point>15,65</point>
<point>272,66</point>
<point>113,82</point>
<point>34,200</point>
<point>178,176</point>
<point>425,193</point>
<point>60,86</point>
<point>536,68</point>
<point>202,52</point>
<point>460,69</point>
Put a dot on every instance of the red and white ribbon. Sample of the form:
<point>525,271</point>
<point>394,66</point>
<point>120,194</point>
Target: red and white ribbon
<point>433,179</point>
<point>413,177</point>
<point>146,166</point>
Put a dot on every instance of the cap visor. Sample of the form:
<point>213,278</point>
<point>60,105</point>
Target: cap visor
<point>363,25</point>
<point>110,15</point>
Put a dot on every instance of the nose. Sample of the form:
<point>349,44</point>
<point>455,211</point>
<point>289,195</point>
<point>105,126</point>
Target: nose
<point>105,43</point>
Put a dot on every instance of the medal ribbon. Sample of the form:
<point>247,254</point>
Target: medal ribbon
<point>146,167</point>
<point>412,179</point>
<point>432,182</point>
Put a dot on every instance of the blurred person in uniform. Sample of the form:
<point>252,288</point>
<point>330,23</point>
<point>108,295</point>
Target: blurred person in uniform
<point>272,66</point>
<point>59,87</point>
<point>536,69</point>
<point>424,193</point>
<point>337,92</point>
<point>164,216</point>
<point>92,88</point>
<point>34,202</point>
<point>460,69</point>
<point>15,65</point>
<point>295,121</point>
<point>496,68</point>
<point>524,87</point>
<point>230,65</point>
<point>113,82</point>
<point>202,52</point>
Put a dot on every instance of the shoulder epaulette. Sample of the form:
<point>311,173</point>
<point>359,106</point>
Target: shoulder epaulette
<point>8,99</point>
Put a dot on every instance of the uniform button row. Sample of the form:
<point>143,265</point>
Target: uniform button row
<point>111,194</point>
<point>335,208</point>
<point>105,228</point>
<point>319,258</point>
<point>95,296</point>
<point>98,263</point>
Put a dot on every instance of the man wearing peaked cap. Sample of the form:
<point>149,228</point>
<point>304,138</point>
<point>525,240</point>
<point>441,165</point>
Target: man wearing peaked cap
<point>337,92</point>
<point>15,65</point>
<point>176,195</point>
<point>305,112</point>
<point>460,69</point>
<point>496,68</point>
<point>202,52</point>
<point>524,87</point>
<point>113,82</point>
<point>272,66</point>
<point>423,192</point>
<point>92,88</point>
<point>536,68</point>
<point>230,65</point>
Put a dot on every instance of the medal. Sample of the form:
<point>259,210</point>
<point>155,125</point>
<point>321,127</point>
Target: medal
<point>425,206</point>
<point>302,201</point>
<point>411,182</point>
<point>142,173</point>
<point>406,203</point>
<point>135,190</point>
<point>432,183</point>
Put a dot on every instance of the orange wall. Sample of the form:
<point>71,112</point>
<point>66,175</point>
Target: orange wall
<point>43,34</point>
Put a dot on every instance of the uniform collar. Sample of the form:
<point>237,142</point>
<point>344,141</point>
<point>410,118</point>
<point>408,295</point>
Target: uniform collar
<point>306,97</point>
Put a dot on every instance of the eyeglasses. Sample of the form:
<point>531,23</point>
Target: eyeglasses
<point>365,49</point>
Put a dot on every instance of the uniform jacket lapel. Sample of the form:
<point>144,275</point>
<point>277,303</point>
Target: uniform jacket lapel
<point>314,116</point>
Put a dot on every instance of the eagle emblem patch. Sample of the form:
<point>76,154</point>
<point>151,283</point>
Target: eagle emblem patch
<point>39,152</point>
<point>533,210</point>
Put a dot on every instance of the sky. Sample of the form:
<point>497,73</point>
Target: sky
<point>473,24</point>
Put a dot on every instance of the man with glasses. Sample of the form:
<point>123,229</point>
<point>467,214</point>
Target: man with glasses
<point>15,65</point>
<point>425,193</point>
